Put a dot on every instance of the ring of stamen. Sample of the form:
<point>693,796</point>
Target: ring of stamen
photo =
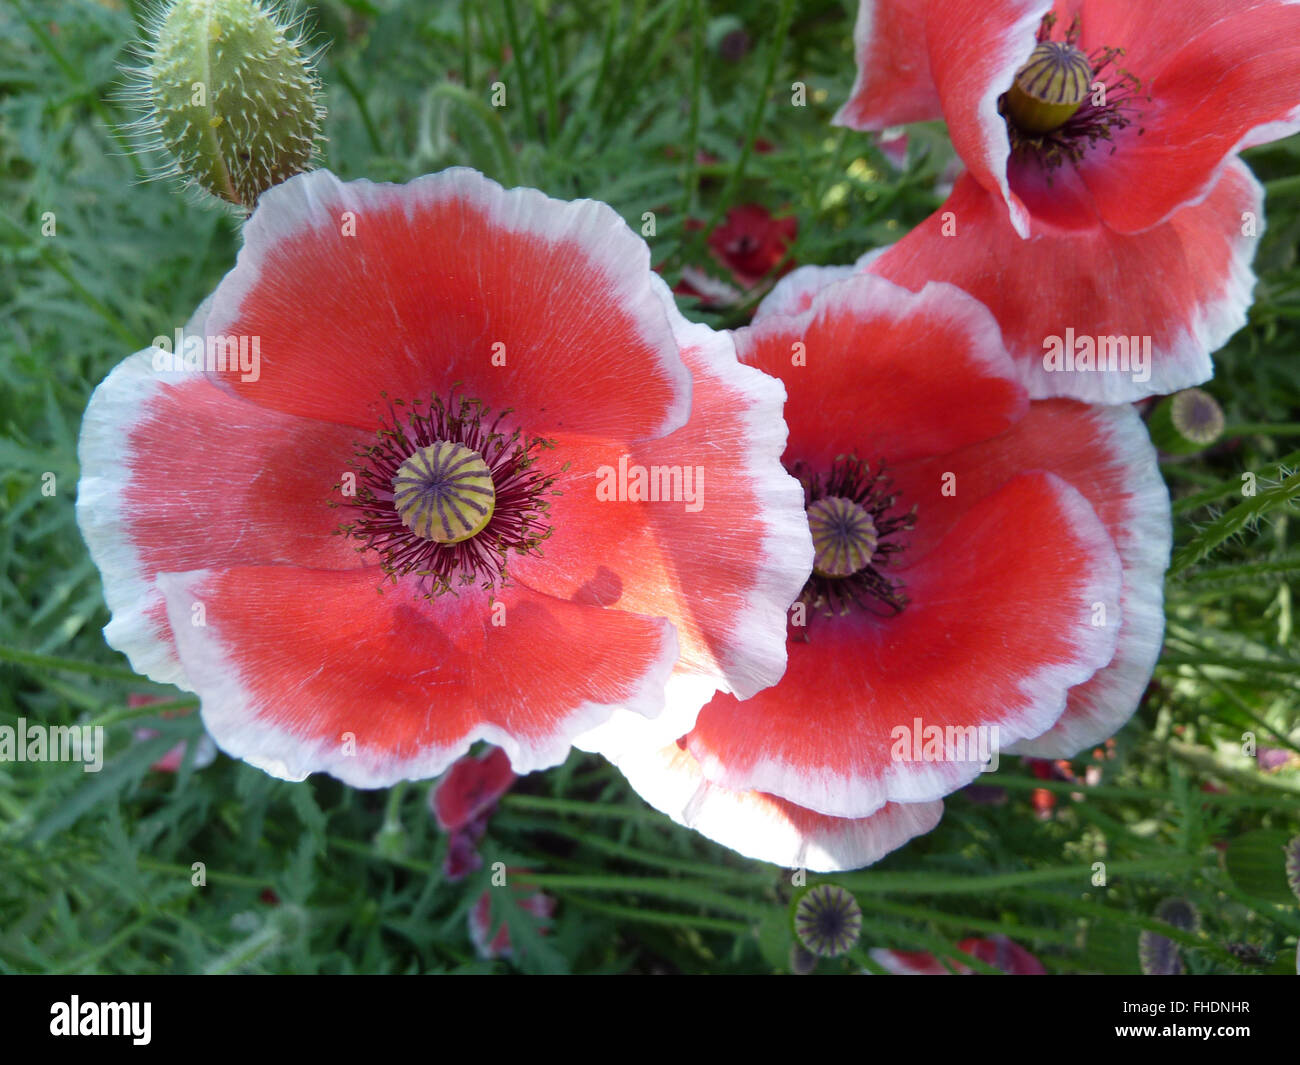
<point>853,519</point>
<point>1064,101</point>
<point>443,496</point>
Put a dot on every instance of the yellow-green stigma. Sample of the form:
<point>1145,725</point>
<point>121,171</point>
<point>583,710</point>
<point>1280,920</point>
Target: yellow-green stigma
<point>1050,88</point>
<point>844,537</point>
<point>444,492</point>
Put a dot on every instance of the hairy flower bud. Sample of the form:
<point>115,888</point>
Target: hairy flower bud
<point>231,95</point>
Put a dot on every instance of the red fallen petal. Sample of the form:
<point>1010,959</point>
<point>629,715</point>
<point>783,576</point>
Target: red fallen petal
<point>998,951</point>
<point>1224,75</point>
<point>471,788</point>
<point>438,272</point>
<point>764,827</point>
<point>998,629</point>
<point>177,474</point>
<point>914,963</point>
<point>894,85</point>
<point>1186,284</point>
<point>750,242</point>
<point>169,762</point>
<point>480,930</point>
<point>1105,453</point>
<point>303,671</point>
<point>1002,953</point>
<point>722,563</point>
<point>938,352</point>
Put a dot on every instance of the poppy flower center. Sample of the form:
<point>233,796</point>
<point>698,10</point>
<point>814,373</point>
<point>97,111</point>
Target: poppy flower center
<point>444,492</point>
<point>445,495</point>
<point>844,537</point>
<point>1064,101</point>
<point>1050,88</point>
<point>850,515</point>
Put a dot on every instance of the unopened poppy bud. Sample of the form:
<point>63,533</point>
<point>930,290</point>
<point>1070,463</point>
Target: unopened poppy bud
<point>232,96</point>
<point>1187,422</point>
<point>1158,955</point>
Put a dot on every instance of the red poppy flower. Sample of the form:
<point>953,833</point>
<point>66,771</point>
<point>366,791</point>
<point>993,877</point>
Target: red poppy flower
<point>1085,123</point>
<point>750,242</point>
<point>983,563</point>
<point>395,497</point>
<point>997,951</point>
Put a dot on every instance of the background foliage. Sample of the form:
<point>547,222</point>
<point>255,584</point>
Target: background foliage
<point>662,105</point>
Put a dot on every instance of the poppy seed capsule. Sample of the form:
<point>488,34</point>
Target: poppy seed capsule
<point>232,95</point>
<point>444,492</point>
<point>1050,88</point>
<point>844,537</point>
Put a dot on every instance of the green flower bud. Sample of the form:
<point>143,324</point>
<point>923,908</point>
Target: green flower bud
<point>1186,422</point>
<point>231,96</point>
<point>390,841</point>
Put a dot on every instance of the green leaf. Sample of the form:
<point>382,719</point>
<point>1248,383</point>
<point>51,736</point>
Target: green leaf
<point>1256,862</point>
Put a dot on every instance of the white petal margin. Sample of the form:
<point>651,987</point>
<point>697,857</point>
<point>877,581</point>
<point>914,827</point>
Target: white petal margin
<point>753,655</point>
<point>1098,708</point>
<point>1187,362</point>
<point>308,201</point>
<point>1180,359</point>
<point>752,652</point>
<point>101,496</point>
<point>911,78</point>
<point>794,293</point>
<point>993,142</point>
<point>235,718</point>
<point>761,827</point>
<point>628,734</point>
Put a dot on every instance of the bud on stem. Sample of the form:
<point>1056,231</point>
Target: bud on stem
<point>231,95</point>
